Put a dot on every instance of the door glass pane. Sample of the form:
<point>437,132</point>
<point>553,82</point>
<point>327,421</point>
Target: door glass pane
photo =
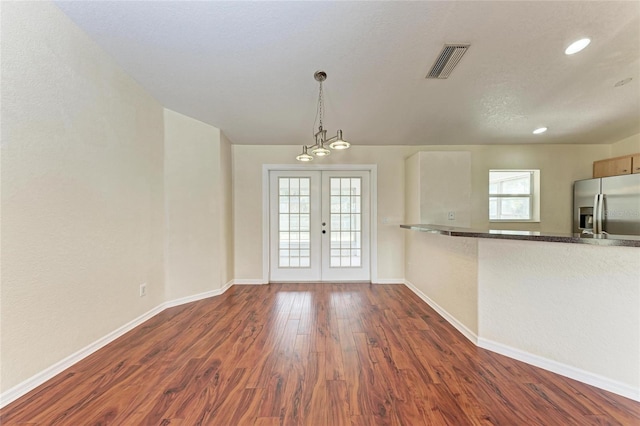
<point>335,221</point>
<point>284,204</point>
<point>345,186</point>
<point>304,222</point>
<point>345,222</point>
<point>335,186</point>
<point>294,204</point>
<point>283,185</point>
<point>294,186</point>
<point>355,222</point>
<point>335,204</point>
<point>304,204</point>
<point>284,222</point>
<point>294,223</point>
<point>304,187</point>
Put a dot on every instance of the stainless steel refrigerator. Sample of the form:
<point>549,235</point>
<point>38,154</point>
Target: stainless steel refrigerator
<point>610,205</point>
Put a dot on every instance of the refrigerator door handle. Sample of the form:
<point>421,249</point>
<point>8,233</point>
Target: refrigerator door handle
<point>597,225</point>
<point>601,214</point>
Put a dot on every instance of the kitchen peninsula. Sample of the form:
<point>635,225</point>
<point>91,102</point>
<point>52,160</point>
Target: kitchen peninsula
<point>564,302</point>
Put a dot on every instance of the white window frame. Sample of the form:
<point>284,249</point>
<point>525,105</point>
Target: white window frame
<point>533,195</point>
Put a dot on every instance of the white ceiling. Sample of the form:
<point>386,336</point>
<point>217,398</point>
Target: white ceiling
<point>247,67</point>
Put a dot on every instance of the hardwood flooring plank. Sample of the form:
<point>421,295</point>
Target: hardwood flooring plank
<point>375,400</point>
<point>337,403</point>
<point>309,354</point>
<point>291,409</point>
<point>315,391</point>
<point>219,402</point>
<point>267,421</point>
<point>319,330</point>
<point>353,371</point>
<point>333,355</point>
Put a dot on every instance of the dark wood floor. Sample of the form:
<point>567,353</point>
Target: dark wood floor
<point>312,354</point>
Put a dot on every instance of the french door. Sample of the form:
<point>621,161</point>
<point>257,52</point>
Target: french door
<point>319,226</point>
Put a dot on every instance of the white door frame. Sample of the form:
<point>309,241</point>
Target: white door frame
<point>373,171</point>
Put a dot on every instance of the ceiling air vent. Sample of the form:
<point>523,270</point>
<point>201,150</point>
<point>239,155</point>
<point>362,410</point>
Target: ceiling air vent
<point>447,60</point>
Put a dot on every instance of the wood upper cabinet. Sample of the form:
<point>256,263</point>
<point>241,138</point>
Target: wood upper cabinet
<point>635,163</point>
<point>614,166</point>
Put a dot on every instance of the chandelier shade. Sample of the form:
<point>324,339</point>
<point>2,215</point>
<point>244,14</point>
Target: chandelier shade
<point>304,156</point>
<point>318,149</point>
<point>339,143</point>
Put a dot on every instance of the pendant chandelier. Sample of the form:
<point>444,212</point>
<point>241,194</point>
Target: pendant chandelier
<point>319,148</point>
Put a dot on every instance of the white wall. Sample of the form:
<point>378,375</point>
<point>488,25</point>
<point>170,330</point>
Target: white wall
<point>626,146</point>
<point>560,165</point>
<point>574,304</point>
<point>193,206</point>
<point>226,212</point>
<point>445,186</point>
<point>445,270</point>
<point>412,189</point>
<point>82,192</point>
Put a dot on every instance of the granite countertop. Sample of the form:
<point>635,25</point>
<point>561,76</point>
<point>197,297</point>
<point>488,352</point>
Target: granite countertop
<point>600,240</point>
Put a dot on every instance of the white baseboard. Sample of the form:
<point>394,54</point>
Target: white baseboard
<point>473,337</point>
<point>194,298</point>
<point>548,364</point>
<point>562,369</point>
<point>33,382</point>
<point>48,373</point>
<point>249,281</point>
<point>388,281</point>
<point>226,287</point>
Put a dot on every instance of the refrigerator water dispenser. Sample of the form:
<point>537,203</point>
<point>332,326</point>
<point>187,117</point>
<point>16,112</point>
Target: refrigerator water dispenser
<point>586,217</point>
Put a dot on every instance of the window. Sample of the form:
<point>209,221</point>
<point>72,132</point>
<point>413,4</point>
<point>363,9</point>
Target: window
<point>513,195</point>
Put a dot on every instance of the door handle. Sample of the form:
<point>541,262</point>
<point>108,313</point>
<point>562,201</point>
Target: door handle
<point>598,227</point>
<point>596,214</point>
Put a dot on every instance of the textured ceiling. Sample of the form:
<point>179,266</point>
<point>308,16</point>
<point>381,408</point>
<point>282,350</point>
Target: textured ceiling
<point>247,67</point>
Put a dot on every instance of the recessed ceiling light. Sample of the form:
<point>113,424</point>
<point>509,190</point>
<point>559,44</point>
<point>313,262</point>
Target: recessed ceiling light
<point>539,130</point>
<point>577,46</point>
<point>623,82</point>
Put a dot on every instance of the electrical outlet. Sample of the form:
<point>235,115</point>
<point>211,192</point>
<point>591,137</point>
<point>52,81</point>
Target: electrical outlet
<point>143,289</point>
<point>452,216</point>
